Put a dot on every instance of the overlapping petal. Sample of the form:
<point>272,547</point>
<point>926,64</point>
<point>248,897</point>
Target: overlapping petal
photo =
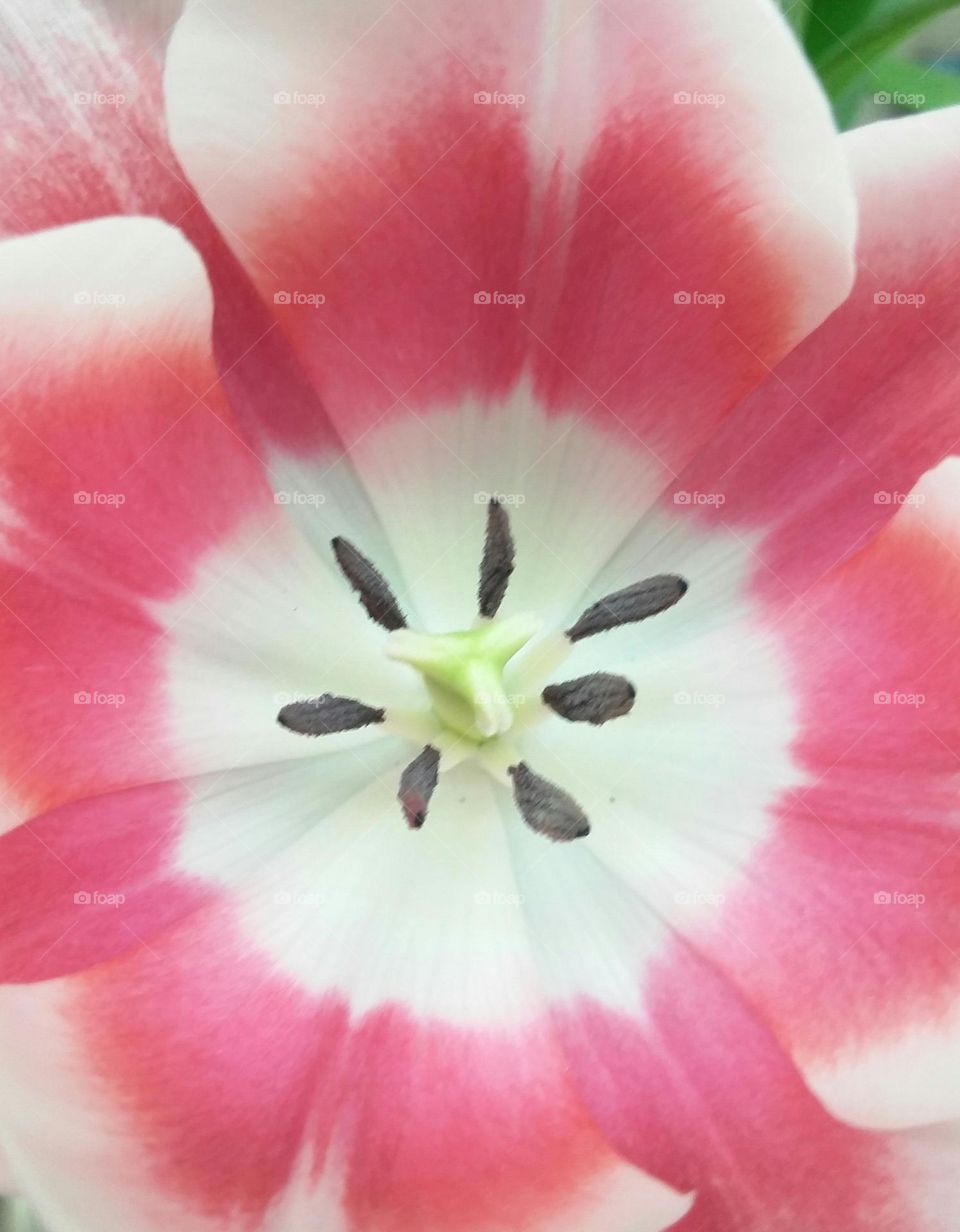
<point>86,137</point>
<point>818,458</point>
<point>386,172</point>
<point>355,1037</point>
<point>844,928</point>
<point>158,606</point>
<point>847,927</point>
<point>401,1074</point>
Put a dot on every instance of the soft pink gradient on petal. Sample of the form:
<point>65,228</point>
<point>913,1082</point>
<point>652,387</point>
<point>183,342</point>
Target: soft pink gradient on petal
<point>68,157</point>
<point>343,153</point>
<point>120,469</point>
<point>846,930</point>
<point>240,1090</point>
<point>89,880</point>
<point>816,460</point>
<point>700,1093</point>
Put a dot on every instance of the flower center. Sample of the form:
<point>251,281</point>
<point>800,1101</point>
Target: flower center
<point>463,671</point>
<point>463,674</point>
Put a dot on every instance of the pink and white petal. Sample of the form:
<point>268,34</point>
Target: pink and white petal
<point>699,1091</point>
<point>370,172</point>
<point>299,1058</point>
<point>685,1078</point>
<point>136,524</point>
<point>821,743</point>
<point>845,928</point>
<point>571,490</point>
<point>99,876</point>
<point>81,87</point>
<point>820,456</point>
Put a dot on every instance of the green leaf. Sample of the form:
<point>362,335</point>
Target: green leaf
<point>844,65</point>
<point>832,22</point>
<point>797,13</point>
<point>914,85</point>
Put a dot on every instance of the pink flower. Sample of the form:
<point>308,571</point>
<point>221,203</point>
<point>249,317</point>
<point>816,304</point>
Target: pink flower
<point>544,273</point>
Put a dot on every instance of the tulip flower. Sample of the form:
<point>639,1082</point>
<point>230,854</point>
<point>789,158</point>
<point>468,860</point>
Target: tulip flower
<point>478,625</point>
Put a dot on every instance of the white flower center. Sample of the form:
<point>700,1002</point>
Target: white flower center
<point>463,671</point>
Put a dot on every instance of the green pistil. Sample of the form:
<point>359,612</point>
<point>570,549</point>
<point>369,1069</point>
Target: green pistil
<point>463,671</point>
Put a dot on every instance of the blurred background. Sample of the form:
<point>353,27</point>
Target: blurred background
<point>881,58</point>
<point>876,59</point>
<point>16,1217</point>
